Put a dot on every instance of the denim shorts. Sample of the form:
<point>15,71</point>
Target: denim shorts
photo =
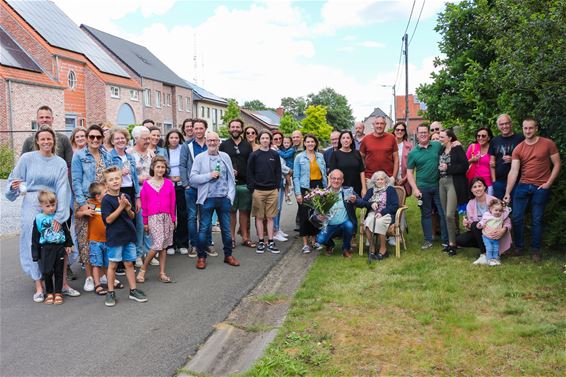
<point>98,254</point>
<point>122,253</point>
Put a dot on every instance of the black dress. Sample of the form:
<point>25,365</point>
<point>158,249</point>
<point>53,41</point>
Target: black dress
<point>351,164</point>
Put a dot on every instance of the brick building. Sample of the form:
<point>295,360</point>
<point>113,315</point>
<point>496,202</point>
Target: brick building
<point>208,106</point>
<point>415,107</point>
<point>166,98</point>
<point>261,119</point>
<point>48,60</point>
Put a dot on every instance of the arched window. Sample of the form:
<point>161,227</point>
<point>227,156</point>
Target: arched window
<point>72,79</point>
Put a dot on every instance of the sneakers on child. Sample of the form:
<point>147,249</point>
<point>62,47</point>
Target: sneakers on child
<point>494,262</point>
<point>170,251</point>
<point>89,284</point>
<point>426,245</point>
<point>154,262</point>
<point>139,262</point>
<point>193,252</point>
<point>316,246</point>
<point>183,251</point>
<point>271,247</point>
<point>72,292</point>
<point>279,236</point>
<point>137,295</point>
<point>260,249</point>
<point>38,297</point>
<point>110,299</point>
<point>306,249</point>
<point>482,260</point>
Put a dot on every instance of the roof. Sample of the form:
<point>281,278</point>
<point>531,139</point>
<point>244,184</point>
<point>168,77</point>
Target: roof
<point>268,117</point>
<point>60,31</point>
<point>201,94</point>
<point>28,77</point>
<point>377,112</point>
<point>138,58</point>
<point>12,55</point>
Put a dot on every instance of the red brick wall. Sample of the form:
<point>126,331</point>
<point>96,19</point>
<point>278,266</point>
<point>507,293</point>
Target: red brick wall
<point>75,99</point>
<point>3,113</point>
<point>95,95</point>
<point>22,33</point>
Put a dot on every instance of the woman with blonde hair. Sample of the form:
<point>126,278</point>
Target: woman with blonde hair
<point>384,203</point>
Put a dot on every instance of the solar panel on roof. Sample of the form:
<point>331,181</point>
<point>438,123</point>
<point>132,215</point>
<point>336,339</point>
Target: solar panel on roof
<point>13,56</point>
<point>60,31</point>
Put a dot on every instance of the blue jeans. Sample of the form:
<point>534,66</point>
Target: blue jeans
<point>499,188</point>
<point>223,208</point>
<point>192,215</point>
<point>143,241</point>
<point>431,195</point>
<point>491,248</point>
<point>346,230</point>
<point>538,198</point>
<point>277,219</point>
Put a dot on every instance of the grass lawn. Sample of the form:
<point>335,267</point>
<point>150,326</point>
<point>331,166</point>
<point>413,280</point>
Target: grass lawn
<point>424,314</point>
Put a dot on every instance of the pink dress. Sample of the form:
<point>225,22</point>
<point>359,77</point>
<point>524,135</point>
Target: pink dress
<point>158,212</point>
<point>479,168</point>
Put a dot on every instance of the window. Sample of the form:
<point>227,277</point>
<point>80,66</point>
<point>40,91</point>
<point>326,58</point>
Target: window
<point>34,125</point>
<point>157,98</point>
<point>70,121</point>
<point>215,117</point>
<point>167,126</point>
<point>72,80</point>
<point>188,108</point>
<point>134,95</point>
<point>147,97</point>
<point>180,103</point>
<point>208,112</point>
<point>114,92</point>
<point>168,99</point>
<point>202,111</point>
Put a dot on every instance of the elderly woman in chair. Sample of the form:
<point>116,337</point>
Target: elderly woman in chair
<point>343,222</point>
<point>382,199</point>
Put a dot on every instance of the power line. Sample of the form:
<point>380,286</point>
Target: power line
<point>417,24</point>
<point>410,16</point>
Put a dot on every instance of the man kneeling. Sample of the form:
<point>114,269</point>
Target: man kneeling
<point>343,222</point>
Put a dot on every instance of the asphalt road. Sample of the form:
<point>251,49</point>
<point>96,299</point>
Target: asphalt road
<point>83,337</point>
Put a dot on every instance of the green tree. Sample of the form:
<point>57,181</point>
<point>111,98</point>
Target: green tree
<point>232,112</point>
<point>315,123</point>
<point>504,56</point>
<point>294,106</point>
<point>254,105</point>
<point>288,124</point>
<point>339,112</point>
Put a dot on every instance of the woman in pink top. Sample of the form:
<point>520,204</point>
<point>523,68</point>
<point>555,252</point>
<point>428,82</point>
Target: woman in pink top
<point>478,157</point>
<point>159,216</point>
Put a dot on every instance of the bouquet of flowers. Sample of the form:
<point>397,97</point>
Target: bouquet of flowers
<point>321,201</point>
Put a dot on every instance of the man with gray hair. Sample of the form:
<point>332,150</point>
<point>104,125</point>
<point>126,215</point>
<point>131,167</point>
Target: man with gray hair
<point>359,128</point>
<point>334,139</point>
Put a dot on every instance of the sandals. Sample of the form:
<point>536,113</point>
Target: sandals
<point>100,290</point>
<point>49,299</point>
<point>58,299</point>
<point>164,278</point>
<point>141,276</point>
<point>118,284</point>
<point>249,243</point>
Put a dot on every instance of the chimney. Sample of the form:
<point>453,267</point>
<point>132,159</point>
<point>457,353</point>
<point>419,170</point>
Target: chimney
<point>280,111</point>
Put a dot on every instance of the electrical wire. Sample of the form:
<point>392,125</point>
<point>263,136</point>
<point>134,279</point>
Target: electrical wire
<point>410,16</point>
<point>417,24</point>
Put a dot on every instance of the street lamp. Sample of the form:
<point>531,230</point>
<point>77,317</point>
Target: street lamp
<point>394,117</point>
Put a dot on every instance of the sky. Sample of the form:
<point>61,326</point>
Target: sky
<point>268,50</point>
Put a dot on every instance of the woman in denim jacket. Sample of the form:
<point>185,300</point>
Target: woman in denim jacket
<point>87,166</point>
<point>309,171</point>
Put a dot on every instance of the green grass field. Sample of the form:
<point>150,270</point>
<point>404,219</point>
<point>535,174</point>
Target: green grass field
<point>424,314</point>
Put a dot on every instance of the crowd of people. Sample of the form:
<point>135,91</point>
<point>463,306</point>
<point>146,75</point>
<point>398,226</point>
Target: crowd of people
<point>125,205</point>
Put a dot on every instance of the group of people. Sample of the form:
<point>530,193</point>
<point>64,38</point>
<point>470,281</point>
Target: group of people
<point>129,205</point>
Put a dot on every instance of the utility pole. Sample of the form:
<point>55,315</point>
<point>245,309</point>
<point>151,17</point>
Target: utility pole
<point>406,39</point>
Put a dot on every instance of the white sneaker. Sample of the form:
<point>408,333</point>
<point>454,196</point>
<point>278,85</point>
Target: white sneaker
<point>89,284</point>
<point>211,252</point>
<point>216,228</point>
<point>391,241</point>
<point>482,260</point>
<point>170,251</point>
<point>103,280</point>
<point>184,251</point>
<point>494,262</point>
<point>279,237</point>
<point>283,233</point>
<point>154,262</point>
<point>139,262</point>
<point>306,249</point>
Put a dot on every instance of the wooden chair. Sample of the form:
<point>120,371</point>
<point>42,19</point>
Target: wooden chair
<point>397,229</point>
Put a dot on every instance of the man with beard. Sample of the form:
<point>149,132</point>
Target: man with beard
<point>239,151</point>
<point>359,134</point>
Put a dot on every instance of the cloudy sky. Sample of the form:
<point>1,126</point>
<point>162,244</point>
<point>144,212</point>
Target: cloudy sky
<point>268,50</point>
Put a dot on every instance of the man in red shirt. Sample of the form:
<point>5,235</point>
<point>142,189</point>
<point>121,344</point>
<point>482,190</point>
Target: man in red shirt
<point>538,160</point>
<point>379,150</point>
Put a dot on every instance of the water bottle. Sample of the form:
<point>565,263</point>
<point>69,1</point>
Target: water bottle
<point>217,168</point>
<point>23,188</point>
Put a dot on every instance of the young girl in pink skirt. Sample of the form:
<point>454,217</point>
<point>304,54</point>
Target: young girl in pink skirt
<point>158,212</point>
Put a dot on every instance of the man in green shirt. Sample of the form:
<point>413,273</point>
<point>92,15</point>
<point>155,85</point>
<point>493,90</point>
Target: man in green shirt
<point>424,159</point>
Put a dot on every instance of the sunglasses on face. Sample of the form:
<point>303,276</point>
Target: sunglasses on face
<point>435,129</point>
<point>250,133</point>
<point>481,136</point>
<point>95,137</point>
<point>399,130</point>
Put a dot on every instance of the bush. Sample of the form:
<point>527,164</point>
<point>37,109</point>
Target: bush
<point>6,161</point>
<point>555,214</point>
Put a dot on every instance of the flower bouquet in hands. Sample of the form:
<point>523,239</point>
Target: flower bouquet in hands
<point>321,202</point>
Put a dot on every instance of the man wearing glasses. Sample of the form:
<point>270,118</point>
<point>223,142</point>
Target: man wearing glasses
<point>189,151</point>
<point>435,127</point>
<point>500,149</point>
<point>239,151</point>
<point>213,177</point>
